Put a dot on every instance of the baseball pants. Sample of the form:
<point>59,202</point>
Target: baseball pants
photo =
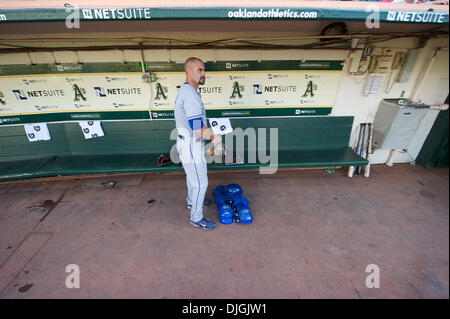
<point>192,155</point>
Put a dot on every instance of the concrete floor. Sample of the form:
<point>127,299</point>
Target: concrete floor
<point>313,235</point>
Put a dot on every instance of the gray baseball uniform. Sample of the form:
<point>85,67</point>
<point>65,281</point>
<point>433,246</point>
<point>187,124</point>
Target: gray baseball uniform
<point>190,115</point>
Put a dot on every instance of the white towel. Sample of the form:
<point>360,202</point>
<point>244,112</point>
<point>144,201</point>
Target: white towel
<point>37,132</point>
<point>91,129</point>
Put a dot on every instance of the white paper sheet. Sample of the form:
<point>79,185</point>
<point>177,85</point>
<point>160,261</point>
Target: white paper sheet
<point>220,126</point>
<point>37,132</point>
<point>91,129</point>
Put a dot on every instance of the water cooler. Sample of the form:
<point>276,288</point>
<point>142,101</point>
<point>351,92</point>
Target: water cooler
<point>395,125</point>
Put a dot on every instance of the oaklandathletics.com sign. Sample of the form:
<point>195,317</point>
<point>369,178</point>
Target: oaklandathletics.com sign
<point>272,13</point>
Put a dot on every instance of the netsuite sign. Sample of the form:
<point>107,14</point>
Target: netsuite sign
<point>116,14</point>
<point>419,17</point>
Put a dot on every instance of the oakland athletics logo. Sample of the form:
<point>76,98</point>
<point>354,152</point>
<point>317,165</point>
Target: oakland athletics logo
<point>79,93</point>
<point>310,88</point>
<point>1,98</point>
<point>160,92</point>
<point>236,90</point>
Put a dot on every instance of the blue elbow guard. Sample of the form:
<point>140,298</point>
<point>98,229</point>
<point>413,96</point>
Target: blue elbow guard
<point>244,213</point>
<point>225,214</point>
<point>196,124</point>
<point>232,205</point>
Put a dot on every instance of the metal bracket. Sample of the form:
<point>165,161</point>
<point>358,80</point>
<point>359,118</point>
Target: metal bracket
<point>423,40</point>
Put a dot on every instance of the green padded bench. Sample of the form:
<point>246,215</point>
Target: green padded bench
<point>128,146</point>
<point>303,142</point>
<point>134,146</point>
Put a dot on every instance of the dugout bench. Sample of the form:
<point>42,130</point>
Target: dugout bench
<point>134,146</point>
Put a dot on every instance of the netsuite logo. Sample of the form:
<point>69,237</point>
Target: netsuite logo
<point>272,102</point>
<point>119,105</point>
<point>10,120</point>
<point>424,17</point>
<point>69,80</point>
<point>271,76</point>
<point>77,105</point>
<point>110,78</point>
<point>19,94</point>
<point>99,91</point>
<point>63,68</point>
<point>257,89</point>
<point>28,82</point>
<point>229,65</point>
<point>45,107</point>
<point>159,104</point>
<point>117,14</point>
<point>210,90</point>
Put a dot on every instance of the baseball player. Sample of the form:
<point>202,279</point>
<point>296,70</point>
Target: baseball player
<point>190,120</point>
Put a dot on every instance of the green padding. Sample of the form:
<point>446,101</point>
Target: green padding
<point>133,147</point>
<point>21,169</point>
<point>316,158</point>
<point>87,164</point>
<point>285,122</point>
<point>74,165</point>
<point>305,158</point>
<point>261,13</point>
<point>142,163</point>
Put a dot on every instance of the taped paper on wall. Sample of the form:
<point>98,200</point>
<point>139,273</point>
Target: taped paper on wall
<point>220,126</point>
<point>373,84</point>
<point>91,129</point>
<point>37,132</point>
